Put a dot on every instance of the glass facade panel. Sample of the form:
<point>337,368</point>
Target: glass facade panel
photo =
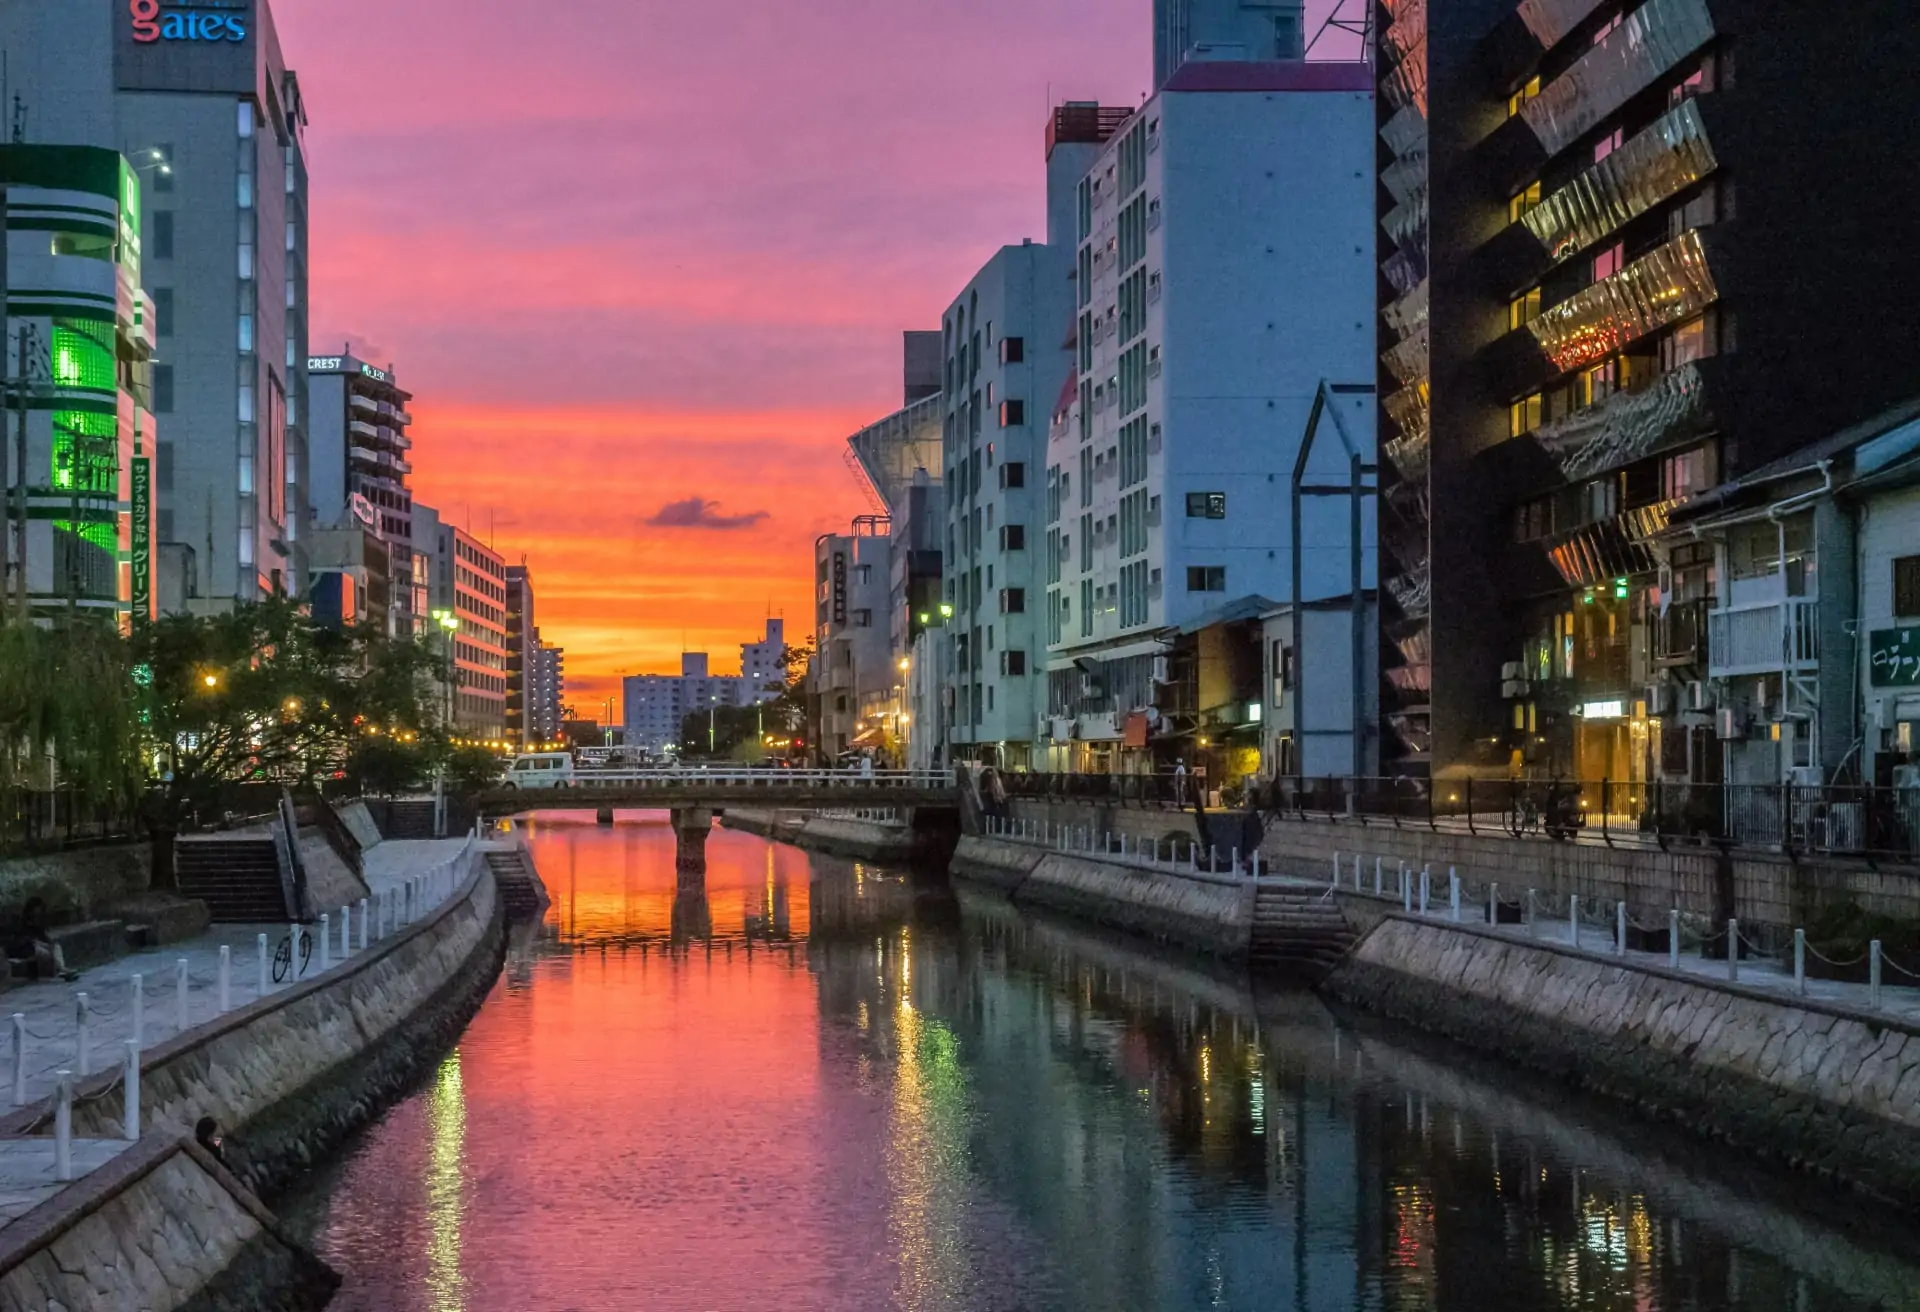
<point>1655,166</point>
<point>1663,287</point>
<point>1629,426</point>
<point>1651,40</point>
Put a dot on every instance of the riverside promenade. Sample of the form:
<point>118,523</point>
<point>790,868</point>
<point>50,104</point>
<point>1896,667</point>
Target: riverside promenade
<point>84,1027</point>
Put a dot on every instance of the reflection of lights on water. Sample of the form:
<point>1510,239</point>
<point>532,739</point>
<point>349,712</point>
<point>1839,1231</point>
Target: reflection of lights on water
<point>862,1018</point>
<point>446,1205</point>
<point>1257,1104</point>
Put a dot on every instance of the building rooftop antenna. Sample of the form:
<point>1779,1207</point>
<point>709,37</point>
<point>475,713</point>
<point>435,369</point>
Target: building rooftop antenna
<point>1355,18</point>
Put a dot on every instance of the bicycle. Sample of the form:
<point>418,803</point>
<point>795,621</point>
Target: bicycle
<point>283,956</point>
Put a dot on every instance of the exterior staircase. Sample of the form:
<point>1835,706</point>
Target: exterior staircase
<point>238,878</point>
<point>1297,929</point>
<point>521,892</point>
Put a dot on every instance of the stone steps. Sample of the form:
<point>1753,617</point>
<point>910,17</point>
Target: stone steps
<point>521,892</point>
<point>238,879</point>
<point>1297,931</point>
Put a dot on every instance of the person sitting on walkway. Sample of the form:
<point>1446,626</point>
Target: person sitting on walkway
<point>207,1134</point>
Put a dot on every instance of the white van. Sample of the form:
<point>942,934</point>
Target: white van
<point>541,770</point>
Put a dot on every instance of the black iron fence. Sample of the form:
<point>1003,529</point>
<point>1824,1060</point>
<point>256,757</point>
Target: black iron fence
<point>1834,819</point>
<point>48,820</point>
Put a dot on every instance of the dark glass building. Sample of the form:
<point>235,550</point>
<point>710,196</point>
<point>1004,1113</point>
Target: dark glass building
<point>1631,249</point>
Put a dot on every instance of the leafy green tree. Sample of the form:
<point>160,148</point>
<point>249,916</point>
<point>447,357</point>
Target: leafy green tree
<point>470,769</point>
<point>263,694</point>
<point>69,713</point>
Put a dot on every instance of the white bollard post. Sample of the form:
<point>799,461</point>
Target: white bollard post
<point>1235,867</point>
<point>1193,856</point>
<point>293,946</point>
<point>363,924</point>
<point>1573,919</point>
<point>1673,939</point>
<point>1619,929</point>
<point>1425,891</point>
<point>1336,870</point>
<point>226,979</point>
<point>346,932</point>
<point>180,996</point>
<point>1256,863</point>
<point>63,1127</point>
<point>1376,877</point>
<point>19,1059</point>
<point>1493,906</point>
<point>260,942</point>
<point>1528,917</point>
<point>139,1008</point>
<point>1213,859</point>
<point>1733,950</point>
<point>1800,962</point>
<point>326,941</point>
<point>1406,893</point>
<point>1873,974</point>
<point>130,1081</point>
<point>1453,893</point>
<point>82,1038</point>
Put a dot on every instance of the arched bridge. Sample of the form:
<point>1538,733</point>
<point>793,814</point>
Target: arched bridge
<point>674,789</point>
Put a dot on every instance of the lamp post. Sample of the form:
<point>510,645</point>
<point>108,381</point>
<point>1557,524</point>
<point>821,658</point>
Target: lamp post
<point>449,624</point>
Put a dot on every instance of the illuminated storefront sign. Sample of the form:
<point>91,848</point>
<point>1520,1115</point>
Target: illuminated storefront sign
<point>142,548</point>
<point>187,20</point>
<point>839,587</point>
<point>1613,710</point>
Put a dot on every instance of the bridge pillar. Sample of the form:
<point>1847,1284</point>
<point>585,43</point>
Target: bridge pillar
<point>691,825</point>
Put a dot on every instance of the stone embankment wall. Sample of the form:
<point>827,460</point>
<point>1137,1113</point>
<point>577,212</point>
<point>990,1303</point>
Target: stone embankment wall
<point>862,840</point>
<point>73,885</point>
<point>161,1226</point>
<point>293,1073</point>
<point>1212,915</point>
<point>1817,1087</point>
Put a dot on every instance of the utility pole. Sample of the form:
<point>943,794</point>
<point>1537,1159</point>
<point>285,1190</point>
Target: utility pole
<point>20,490</point>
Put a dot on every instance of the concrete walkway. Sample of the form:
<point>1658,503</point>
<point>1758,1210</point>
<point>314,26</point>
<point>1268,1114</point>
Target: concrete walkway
<point>50,1009</point>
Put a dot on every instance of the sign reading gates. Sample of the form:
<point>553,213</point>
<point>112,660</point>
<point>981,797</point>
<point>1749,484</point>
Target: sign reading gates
<point>142,538</point>
<point>1893,657</point>
<point>202,46</point>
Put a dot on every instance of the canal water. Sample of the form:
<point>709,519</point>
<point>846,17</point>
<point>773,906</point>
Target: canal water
<point>819,1085</point>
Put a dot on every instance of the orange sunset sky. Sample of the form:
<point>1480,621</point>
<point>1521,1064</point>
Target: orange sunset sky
<point>637,254</point>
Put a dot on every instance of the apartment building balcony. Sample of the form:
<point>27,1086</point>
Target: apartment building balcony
<point>1410,456</point>
<point>1629,425</point>
<point>361,428</point>
<point>1769,638</point>
<point>1652,168</point>
<point>1663,287</point>
<point>1680,635</point>
<point>1406,360</point>
<point>361,401</point>
<point>1648,42</point>
<point>1409,410</point>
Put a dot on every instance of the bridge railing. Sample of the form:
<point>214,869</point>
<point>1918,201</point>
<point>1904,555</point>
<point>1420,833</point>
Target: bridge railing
<point>685,777</point>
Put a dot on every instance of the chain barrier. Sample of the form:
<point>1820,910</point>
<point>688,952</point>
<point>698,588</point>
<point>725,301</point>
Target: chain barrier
<point>1886,960</point>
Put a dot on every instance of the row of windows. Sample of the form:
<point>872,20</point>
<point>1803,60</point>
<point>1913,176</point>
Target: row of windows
<point>1669,478</point>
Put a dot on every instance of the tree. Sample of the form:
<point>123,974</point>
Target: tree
<point>69,715</point>
<point>263,694</point>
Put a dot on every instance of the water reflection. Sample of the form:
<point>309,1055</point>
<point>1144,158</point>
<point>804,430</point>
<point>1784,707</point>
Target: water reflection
<point>808,1083</point>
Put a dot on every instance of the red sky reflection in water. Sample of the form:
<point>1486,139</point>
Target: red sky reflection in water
<point>630,1131</point>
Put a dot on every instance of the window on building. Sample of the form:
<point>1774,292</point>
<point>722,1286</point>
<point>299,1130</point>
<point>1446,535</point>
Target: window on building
<point>1602,499</point>
<point>1608,144</point>
<point>1607,28</point>
<point>1206,505</point>
<point>160,235</point>
<point>1533,520</point>
<point>163,389</point>
<point>1522,202</point>
<point>1013,350</point>
<point>1523,309</point>
<point>162,311</point>
<point>1609,261</point>
<point>1524,415</point>
<point>1686,473</point>
<point>1522,95</point>
<point>1013,537</point>
<point>1692,340</point>
<point>1206,578</point>
<point>1906,586</point>
<point>1013,473</point>
<point>1698,83</point>
<point>1013,662</point>
<point>1013,601</point>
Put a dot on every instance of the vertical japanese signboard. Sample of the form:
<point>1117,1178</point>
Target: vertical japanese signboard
<point>142,538</point>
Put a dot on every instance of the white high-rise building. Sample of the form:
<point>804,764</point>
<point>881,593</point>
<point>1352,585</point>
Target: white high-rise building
<point>1225,271</point>
<point>763,665</point>
<point>1002,340</point>
<point>655,706</point>
<point>1255,30</point>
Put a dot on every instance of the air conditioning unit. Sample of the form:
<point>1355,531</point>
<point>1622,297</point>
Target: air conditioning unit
<point>1514,689</point>
<point>1160,670</point>
<point>1906,777</point>
<point>1730,726</point>
<point>1699,696</point>
<point>1089,686</point>
<point>1806,776</point>
<point>1513,671</point>
<point>1659,699</point>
